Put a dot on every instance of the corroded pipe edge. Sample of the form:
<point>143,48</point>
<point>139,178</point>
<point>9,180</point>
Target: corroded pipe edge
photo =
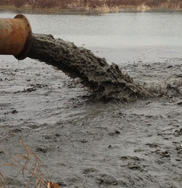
<point>28,43</point>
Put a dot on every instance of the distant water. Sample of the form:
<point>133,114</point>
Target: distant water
<point>125,37</point>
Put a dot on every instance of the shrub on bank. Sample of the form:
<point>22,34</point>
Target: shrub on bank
<point>19,3</point>
<point>63,4</point>
<point>47,3</point>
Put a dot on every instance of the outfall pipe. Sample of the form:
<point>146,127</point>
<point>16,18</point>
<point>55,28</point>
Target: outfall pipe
<point>15,36</point>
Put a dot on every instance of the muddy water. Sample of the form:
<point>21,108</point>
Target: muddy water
<point>85,143</point>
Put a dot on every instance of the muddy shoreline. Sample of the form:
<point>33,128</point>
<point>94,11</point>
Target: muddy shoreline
<point>86,143</point>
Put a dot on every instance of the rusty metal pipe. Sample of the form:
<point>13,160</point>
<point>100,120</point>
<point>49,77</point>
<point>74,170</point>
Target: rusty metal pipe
<point>15,36</point>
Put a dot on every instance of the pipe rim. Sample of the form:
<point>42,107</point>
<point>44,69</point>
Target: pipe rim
<point>28,43</point>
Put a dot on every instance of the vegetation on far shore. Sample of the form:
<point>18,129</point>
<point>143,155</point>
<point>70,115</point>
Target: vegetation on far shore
<point>99,6</point>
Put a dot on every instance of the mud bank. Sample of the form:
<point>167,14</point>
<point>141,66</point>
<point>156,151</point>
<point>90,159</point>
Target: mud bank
<point>85,143</point>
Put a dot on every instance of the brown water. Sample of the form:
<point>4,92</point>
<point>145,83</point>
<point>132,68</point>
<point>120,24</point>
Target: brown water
<point>94,144</point>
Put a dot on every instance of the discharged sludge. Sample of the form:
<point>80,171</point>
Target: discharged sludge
<point>105,81</point>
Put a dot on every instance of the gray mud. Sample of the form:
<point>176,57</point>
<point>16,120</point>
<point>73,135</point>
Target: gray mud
<point>87,143</point>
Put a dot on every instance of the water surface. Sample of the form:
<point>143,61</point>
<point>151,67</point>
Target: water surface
<point>120,37</point>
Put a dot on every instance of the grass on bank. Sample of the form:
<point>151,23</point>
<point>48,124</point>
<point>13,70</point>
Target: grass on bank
<point>95,6</point>
<point>29,166</point>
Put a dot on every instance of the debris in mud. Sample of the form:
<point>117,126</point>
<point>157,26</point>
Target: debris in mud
<point>60,183</point>
<point>153,145</point>
<point>179,148</point>
<point>12,181</point>
<point>115,133</point>
<point>14,111</point>
<point>105,81</point>
<point>42,150</point>
<point>135,166</point>
<point>16,130</point>
<point>89,171</point>
<point>135,158</point>
<point>179,103</point>
<point>162,153</point>
<point>133,162</point>
<point>29,89</point>
<point>1,152</point>
<point>178,132</point>
<point>105,179</point>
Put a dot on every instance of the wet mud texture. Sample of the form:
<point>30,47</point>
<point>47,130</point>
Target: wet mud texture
<point>105,81</point>
<point>92,144</point>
